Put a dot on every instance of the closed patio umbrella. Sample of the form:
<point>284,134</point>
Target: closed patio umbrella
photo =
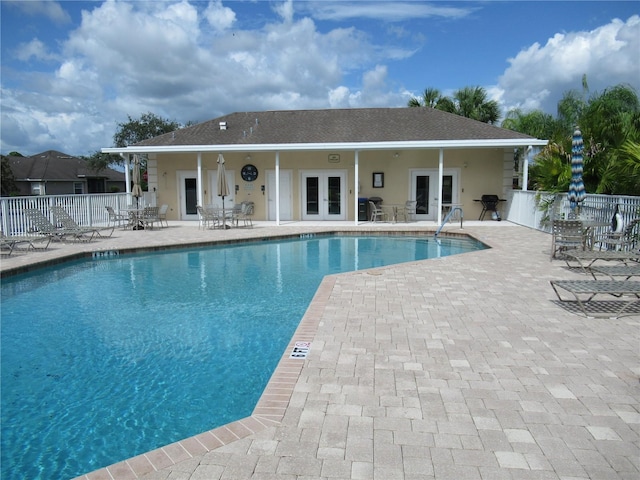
<point>223,187</point>
<point>577,192</point>
<point>136,190</point>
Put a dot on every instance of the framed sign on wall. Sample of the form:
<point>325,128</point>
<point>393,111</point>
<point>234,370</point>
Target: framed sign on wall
<point>378,179</point>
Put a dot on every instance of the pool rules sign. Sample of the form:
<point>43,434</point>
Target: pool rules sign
<point>300,350</point>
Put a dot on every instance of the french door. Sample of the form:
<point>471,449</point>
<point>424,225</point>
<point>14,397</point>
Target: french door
<point>424,190</point>
<point>188,195</point>
<point>323,195</point>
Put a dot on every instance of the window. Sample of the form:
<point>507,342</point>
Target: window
<point>77,188</point>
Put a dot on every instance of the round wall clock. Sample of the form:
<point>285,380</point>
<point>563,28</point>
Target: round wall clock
<point>249,173</point>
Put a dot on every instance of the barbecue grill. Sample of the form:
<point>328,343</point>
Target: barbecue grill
<point>490,204</point>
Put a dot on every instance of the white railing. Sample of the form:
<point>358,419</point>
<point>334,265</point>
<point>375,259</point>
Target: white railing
<point>527,208</point>
<point>86,210</point>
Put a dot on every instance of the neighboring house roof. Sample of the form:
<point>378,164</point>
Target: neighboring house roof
<point>56,166</point>
<point>357,128</point>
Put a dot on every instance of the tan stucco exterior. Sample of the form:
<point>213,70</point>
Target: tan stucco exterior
<point>476,171</point>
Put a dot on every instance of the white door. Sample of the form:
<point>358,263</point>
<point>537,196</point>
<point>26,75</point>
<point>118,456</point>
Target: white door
<point>424,190</point>
<point>188,195</point>
<point>286,200</point>
<point>214,199</point>
<point>323,194</point>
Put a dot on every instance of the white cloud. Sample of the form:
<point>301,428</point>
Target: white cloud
<point>34,49</point>
<point>539,75</point>
<point>387,11</point>
<point>219,17</point>
<point>52,10</point>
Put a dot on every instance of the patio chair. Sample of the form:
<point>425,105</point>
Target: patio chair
<point>209,217</point>
<point>627,239</point>
<point>245,213</point>
<point>117,219</point>
<point>376,212</point>
<point>409,211</point>
<point>162,215</point>
<point>150,216</point>
<point>43,226</point>
<point>12,242</point>
<point>62,217</point>
<point>565,235</point>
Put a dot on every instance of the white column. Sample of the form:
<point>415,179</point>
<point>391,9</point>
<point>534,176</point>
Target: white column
<point>525,168</point>
<point>199,180</point>
<point>440,183</point>
<point>277,188</point>
<point>127,173</point>
<point>356,175</point>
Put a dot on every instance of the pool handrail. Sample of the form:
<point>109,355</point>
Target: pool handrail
<point>446,219</point>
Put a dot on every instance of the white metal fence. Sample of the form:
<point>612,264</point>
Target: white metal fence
<point>531,209</point>
<point>86,210</point>
<point>537,209</point>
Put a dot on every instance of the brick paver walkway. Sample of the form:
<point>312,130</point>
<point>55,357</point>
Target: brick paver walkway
<point>460,368</point>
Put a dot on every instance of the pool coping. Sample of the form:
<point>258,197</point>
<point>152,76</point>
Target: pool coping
<point>272,404</point>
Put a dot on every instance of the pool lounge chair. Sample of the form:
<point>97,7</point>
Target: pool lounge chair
<point>612,271</point>
<point>62,217</point>
<point>626,291</point>
<point>12,242</point>
<point>627,239</point>
<point>585,259</point>
<point>43,226</point>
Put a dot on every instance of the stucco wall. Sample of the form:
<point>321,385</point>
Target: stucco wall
<point>480,171</point>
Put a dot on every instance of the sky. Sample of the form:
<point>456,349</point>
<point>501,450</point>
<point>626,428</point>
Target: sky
<point>72,71</point>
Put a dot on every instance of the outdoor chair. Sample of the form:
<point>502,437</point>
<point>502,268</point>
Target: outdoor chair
<point>244,214</point>
<point>12,242</point>
<point>584,291</point>
<point>62,217</point>
<point>377,213</point>
<point>209,217</point>
<point>149,217</point>
<point>43,226</point>
<point>409,210</point>
<point>565,235</point>
<point>627,239</point>
<point>117,219</point>
<point>162,215</point>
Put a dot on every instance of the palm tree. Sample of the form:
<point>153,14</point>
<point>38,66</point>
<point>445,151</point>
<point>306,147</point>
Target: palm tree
<point>430,98</point>
<point>610,124</point>
<point>470,102</point>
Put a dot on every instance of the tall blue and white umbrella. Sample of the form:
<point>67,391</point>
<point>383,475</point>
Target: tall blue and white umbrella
<point>576,193</point>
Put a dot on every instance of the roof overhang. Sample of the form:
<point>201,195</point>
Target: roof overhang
<point>281,147</point>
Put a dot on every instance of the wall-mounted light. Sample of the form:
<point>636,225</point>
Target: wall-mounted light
<point>248,158</point>
<point>262,189</point>
<point>465,164</point>
<point>396,155</point>
<point>237,188</point>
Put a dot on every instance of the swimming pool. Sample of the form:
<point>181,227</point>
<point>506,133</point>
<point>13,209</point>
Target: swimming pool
<point>103,360</point>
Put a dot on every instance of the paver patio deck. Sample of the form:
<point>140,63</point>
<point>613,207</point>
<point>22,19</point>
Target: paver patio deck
<point>463,367</point>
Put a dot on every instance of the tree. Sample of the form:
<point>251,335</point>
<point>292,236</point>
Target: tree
<point>470,102</point>
<point>133,131</point>
<point>9,186</point>
<point>610,126</point>
<point>148,126</point>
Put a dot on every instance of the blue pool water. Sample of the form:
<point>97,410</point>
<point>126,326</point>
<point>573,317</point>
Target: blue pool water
<point>102,360</point>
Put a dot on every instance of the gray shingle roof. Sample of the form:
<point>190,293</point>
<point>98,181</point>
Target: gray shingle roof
<point>54,165</point>
<point>334,126</point>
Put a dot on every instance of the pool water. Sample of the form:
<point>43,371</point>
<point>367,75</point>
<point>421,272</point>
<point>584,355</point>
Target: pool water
<point>102,360</point>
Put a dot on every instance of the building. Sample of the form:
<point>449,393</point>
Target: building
<point>56,173</point>
<point>320,164</point>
